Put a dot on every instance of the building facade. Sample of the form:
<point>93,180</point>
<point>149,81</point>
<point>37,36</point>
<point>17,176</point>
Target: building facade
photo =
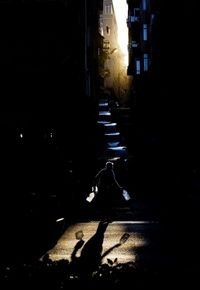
<point>144,50</point>
<point>142,17</point>
<point>49,87</point>
<point>110,44</point>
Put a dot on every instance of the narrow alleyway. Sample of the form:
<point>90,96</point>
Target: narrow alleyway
<point>140,220</point>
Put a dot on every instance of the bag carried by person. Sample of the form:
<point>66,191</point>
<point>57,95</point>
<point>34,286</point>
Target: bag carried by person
<point>92,194</point>
<point>126,195</point>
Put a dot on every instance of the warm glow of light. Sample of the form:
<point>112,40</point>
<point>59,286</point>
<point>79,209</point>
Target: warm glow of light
<point>121,12</point>
<point>125,253</point>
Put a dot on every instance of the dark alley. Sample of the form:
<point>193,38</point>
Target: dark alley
<point>75,101</point>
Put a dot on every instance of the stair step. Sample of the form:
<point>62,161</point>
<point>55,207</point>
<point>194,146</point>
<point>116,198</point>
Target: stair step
<point>104,113</point>
<point>111,125</point>
<point>119,151</point>
<point>119,148</point>
<point>113,159</point>
<point>104,116</point>
<point>113,144</point>
<point>103,104</point>
<point>110,128</point>
<point>113,134</point>
<point>103,122</point>
<point>112,137</point>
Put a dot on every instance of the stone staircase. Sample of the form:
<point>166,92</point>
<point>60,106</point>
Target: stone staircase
<point>115,150</point>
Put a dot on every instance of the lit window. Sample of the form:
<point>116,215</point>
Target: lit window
<point>144,4</point>
<point>137,67</point>
<point>146,61</point>
<point>108,9</point>
<point>145,32</point>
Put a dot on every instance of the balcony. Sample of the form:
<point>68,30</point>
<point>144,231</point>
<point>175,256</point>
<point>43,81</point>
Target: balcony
<point>132,19</point>
<point>133,44</point>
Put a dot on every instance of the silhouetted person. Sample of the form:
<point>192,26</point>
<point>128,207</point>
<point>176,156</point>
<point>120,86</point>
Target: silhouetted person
<point>109,190</point>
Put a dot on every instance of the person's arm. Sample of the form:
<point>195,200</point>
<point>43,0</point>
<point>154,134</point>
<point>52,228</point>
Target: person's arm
<point>96,181</point>
<point>96,178</point>
<point>116,182</point>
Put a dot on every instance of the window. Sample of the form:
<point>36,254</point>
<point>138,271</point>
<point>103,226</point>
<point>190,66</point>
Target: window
<point>133,18</point>
<point>108,9</point>
<point>137,67</point>
<point>145,32</point>
<point>106,44</point>
<point>108,30</point>
<point>146,61</point>
<point>144,4</point>
<point>134,43</point>
<point>101,26</point>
